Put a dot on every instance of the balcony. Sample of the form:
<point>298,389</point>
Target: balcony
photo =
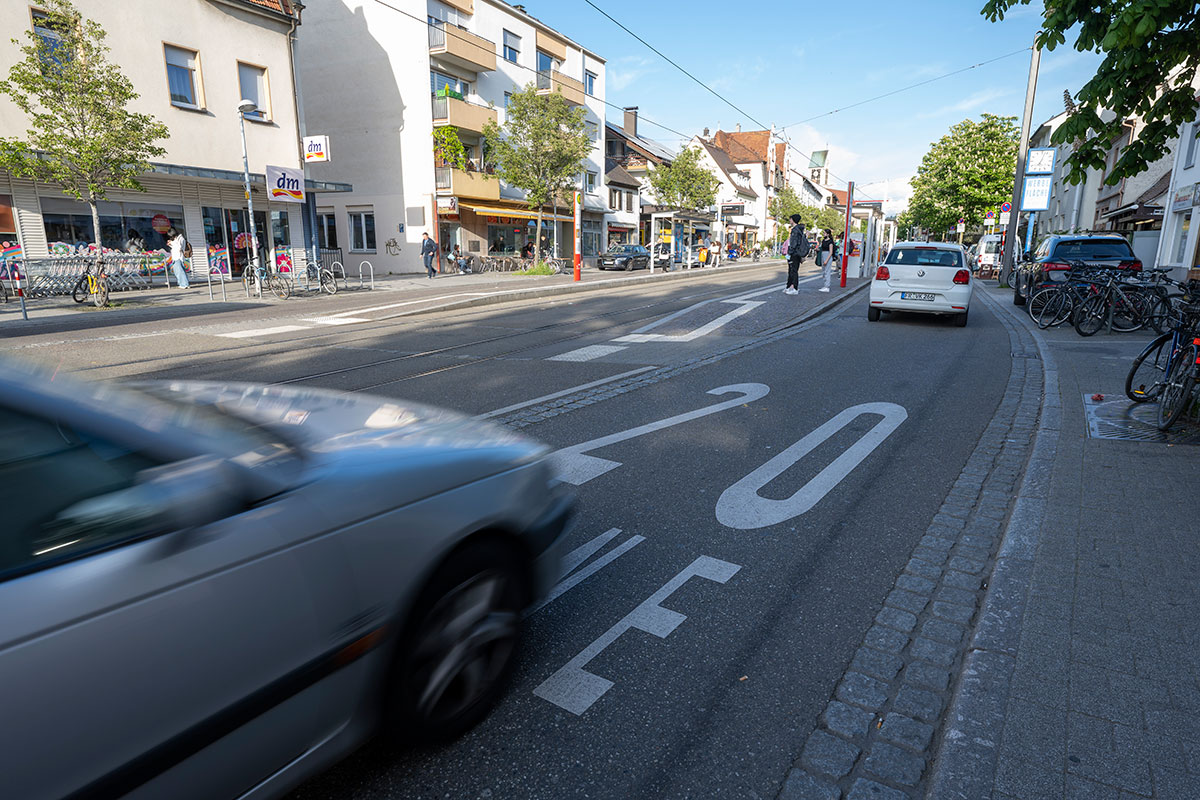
<point>461,114</point>
<point>470,184</point>
<point>462,48</point>
<point>554,81</point>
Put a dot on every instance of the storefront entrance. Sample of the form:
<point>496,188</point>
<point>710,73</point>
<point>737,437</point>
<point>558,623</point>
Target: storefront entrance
<point>237,233</point>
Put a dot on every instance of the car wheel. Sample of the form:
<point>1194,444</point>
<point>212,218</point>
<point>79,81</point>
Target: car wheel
<point>629,265</point>
<point>1018,298</point>
<point>960,320</point>
<point>457,653</point>
<point>872,314</point>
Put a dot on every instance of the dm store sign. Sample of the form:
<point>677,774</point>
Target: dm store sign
<point>285,184</point>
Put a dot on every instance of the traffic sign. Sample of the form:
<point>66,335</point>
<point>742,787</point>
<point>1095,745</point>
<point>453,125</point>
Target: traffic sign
<point>962,227</point>
<point>1005,208</point>
<point>1004,216</point>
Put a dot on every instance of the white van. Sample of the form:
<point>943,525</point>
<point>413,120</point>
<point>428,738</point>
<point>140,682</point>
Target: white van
<point>989,252</point>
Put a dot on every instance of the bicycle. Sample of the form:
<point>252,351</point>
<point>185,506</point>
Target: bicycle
<point>1167,365</point>
<point>259,275</point>
<point>1112,305</point>
<point>322,276</point>
<point>92,285</point>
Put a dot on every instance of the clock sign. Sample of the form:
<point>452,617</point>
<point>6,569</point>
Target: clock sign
<point>1041,161</point>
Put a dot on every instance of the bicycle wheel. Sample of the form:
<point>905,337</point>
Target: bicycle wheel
<point>1129,311</point>
<point>1055,311</point>
<point>1090,315</point>
<point>1038,301</point>
<point>1177,390</point>
<point>1157,311</point>
<point>100,298</point>
<point>80,293</point>
<point>281,286</point>
<point>328,284</point>
<point>1145,379</point>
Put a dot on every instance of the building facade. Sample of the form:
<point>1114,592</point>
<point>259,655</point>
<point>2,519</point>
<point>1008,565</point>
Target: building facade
<point>638,155</point>
<point>735,190</point>
<point>434,64</point>
<point>191,68</point>
<point>1179,245</point>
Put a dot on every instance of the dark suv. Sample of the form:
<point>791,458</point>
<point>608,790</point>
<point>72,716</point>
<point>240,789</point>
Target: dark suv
<point>1053,259</point>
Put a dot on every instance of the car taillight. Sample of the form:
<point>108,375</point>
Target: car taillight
<point>882,274</point>
<point>1055,266</point>
<point>962,277</point>
<point>1134,266</point>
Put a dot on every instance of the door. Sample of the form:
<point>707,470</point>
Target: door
<point>123,657</point>
<point>237,221</point>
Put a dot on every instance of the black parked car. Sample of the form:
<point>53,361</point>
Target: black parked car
<point>1056,256</point>
<point>625,256</point>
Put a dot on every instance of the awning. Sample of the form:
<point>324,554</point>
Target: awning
<point>256,178</point>
<point>519,213</point>
<point>613,226</point>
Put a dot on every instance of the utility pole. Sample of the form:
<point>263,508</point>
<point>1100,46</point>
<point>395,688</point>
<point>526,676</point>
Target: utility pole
<point>1010,239</point>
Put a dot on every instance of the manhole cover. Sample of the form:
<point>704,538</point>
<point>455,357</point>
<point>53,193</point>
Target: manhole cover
<point>1117,417</point>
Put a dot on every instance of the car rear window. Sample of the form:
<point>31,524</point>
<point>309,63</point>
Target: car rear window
<point>991,247</point>
<point>925,257</point>
<point>1093,248</point>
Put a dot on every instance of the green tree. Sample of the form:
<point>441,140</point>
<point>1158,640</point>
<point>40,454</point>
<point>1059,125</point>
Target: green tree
<point>81,137</point>
<point>448,147</point>
<point>786,202</point>
<point>540,149</point>
<point>684,183</point>
<point>1151,54</point>
<point>966,173</point>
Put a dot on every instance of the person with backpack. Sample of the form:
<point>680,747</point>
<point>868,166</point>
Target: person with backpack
<point>797,251</point>
<point>181,251</point>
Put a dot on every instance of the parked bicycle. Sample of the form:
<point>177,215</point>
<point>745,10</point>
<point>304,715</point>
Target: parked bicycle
<point>1166,370</point>
<point>92,284</point>
<point>320,278</point>
<point>260,276</point>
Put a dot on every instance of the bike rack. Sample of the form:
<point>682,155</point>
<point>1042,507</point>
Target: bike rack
<point>366,264</point>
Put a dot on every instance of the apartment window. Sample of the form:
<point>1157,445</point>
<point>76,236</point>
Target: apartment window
<point>181,76</point>
<point>507,99</point>
<point>547,62</point>
<point>1191,147</point>
<point>589,83</point>
<point>614,199</point>
<point>629,201</point>
<point>45,30</point>
<point>362,231</point>
<point>593,130</point>
<point>512,46</point>
<point>327,232</point>
<point>589,182</point>
<point>443,85</point>
<point>253,83</point>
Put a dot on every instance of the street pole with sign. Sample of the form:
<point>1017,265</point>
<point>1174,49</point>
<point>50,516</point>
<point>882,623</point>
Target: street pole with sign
<point>249,107</point>
<point>578,236</point>
<point>846,235</point>
<point>1006,259</point>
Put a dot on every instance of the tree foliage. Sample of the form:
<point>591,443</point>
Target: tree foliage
<point>685,182</point>
<point>540,149</point>
<point>966,173</point>
<point>81,137</point>
<point>1151,54</point>
<point>786,202</point>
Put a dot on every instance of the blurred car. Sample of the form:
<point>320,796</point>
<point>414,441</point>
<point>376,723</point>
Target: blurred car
<point>625,256</point>
<point>988,253</point>
<point>215,590</point>
<point>925,277</point>
<point>1060,253</point>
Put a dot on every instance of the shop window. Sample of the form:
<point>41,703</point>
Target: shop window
<point>281,231</point>
<point>252,81</point>
<point>589,83</point>
<point>214,238</point>
<point>123,226</point>
<point>327,232</point>
<point>182,72</point>
<point>1185,225</point>
<point>590,237</point>
<point>512,46</point>
<point>362,231</point>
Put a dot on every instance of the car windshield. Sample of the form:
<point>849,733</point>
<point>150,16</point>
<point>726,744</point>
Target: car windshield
<point>622,249</point>
<point>1093,248</point>
<point>925,257</point>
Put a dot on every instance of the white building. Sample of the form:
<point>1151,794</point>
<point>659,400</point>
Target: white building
<point>1179,245</point>
<point>734,189</point>
<point>378,78</point>
<point>622,222</point>
<point>190,66</point>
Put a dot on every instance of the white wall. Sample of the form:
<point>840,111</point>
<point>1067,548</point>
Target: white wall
<point>1174,239</point>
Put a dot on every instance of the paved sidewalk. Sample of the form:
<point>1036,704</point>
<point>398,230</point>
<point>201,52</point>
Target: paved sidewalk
<point>1083,679</point>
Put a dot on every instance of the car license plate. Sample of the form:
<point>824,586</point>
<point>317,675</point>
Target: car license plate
<point>916,296</point>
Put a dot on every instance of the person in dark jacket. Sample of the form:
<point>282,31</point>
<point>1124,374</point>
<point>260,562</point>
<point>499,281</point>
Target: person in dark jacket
<point>797,251</point>
<point>428,253</point>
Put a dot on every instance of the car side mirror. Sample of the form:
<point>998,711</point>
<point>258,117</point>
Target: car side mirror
<point>185,494</point>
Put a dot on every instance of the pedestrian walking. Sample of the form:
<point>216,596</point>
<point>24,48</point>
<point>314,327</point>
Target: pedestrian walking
<point>825,258</point>
<point>180,252</point>
<point>428,252</point>
<point>797,251</point>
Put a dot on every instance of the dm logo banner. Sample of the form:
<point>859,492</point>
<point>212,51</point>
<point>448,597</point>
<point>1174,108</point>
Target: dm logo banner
<point>285,184</point>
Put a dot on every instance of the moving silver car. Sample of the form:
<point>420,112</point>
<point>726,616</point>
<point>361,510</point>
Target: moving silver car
<point>213,591</point>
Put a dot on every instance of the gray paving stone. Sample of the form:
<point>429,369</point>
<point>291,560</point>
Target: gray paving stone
<point>876,663</point>
<point>908,601</point>
<point>941,630</point>
<point>950,594</point>
<point>954,612</point>
<point>928,676</point>
<point>929,555</point>
<point>915,584</point>
<point>895,618</point>
<point>826,754</point>
<point>923,569</point>
<point>799,785</point>
<point>969,565</point>
<point>934,652</point>
<point>962,580</point>
<point>862,690</point>
<point>918,703</point>
<point>893,764</point>
<point>885,639</point>
<point>905,731</point>
<point>850,722</point>
<point>936,542</point>
<point>1077,788</point>
<point>864,789</point>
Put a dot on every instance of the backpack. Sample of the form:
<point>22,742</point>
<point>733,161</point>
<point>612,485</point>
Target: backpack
<point>187,249</point>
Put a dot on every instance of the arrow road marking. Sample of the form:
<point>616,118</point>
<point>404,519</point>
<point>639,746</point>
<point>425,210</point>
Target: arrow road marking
<point>575,689</point>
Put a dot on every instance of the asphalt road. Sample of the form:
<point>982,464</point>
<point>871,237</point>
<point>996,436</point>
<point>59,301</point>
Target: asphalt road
<point>739,556</point>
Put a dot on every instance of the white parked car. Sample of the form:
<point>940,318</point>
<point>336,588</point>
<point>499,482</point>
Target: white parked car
<point>926,277</point>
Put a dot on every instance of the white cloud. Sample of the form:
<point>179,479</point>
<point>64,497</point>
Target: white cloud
<point>624,72</point>
<point>969,103</point>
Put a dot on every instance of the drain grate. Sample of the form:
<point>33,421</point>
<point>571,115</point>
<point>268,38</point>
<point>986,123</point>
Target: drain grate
<point>1121,419</point>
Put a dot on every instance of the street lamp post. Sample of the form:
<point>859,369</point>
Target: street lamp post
<point>249,107</point>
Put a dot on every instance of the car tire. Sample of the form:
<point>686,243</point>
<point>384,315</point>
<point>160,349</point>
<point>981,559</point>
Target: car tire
<point>960,320</point>
<point>872,314</point>
<point>1018,298</point>
<point>468,615</point>
<point>629,265</point>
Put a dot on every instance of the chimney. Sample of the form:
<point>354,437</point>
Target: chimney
<point>706,133</point>
<point>631,121</point>
<point>738,127</point>
<point>520,8</point>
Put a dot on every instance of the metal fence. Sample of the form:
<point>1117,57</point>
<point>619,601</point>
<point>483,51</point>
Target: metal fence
<point>58,275</point>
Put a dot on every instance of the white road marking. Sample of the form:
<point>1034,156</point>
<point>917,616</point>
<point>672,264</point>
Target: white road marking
<point>586,550</point>
<point>563,393</point>
<point>335,320</point>
<point>263,332</point>
<point>703,330</point>
<point>570,582</point>
<point>575,689</point>
<point>740,506</point>
<point>577,468</point>
<point>588,353</point>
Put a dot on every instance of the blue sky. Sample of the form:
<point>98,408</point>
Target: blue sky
<point>783,62</point>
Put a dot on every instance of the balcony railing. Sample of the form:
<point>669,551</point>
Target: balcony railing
<point>461,47</point>
<point>476,182</point>
<point>461,114</point>
<point>554,81</point>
